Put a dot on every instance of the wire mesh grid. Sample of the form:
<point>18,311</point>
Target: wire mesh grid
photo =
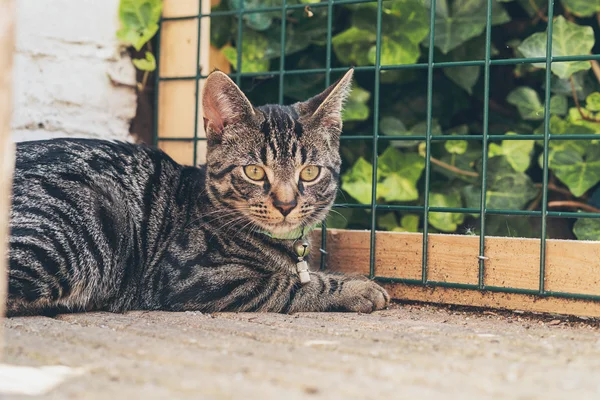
<point>485,138</point>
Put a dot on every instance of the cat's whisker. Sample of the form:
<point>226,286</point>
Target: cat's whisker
<point>233,222</point>
<point>202,217</point>
<point>343,194</point>
<point>224,213</point>
<point>338,213</point>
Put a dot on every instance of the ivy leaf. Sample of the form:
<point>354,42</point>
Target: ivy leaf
<point>559,126</point>
<point>569,126</point>
<point>465,161</point>
<point>507,189</point>
<point>410,222</point>
<point>527,6</point>
<point>568,39</point>
<point>510,191</point>
<point>145,64</point>
<point>509,226</point>
<point>464,77</point>
<point>353,45</point>
<point>466,19</point>
<point>422,149</point>
<point>397,188</point>
<point>392,126</point>
<point>387,221</point>
<point>259,21</point>
<point>593,102</point>
<point>517,152</point>
<point>579,172</point>
<point>411,19</point>
<point>399,50</point>
<point>578,123</point>
<point>444,221</point>
<point>458,130</point>
<point>581,80</point>
<point>587,229</point>
<point>357,181</point>
<point>303,86</point>
<point>559,105</point>
<point>408,18</point>
<point>356,108</point>
<point>404,25</point>
<point>527,102</point>
<point>298,35</point>
<point>582,8</point>
<point>531,108</point>
<point>139,20</point>
<point>400,173</point>
<point>456,146</point>
<point>223,32</point>
<point>420,129</point>
<point>254,49</point>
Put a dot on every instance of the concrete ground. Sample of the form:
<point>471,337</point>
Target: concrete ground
<point>410,351</point>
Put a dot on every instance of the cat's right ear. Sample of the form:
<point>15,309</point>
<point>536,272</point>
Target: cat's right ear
<point>223,103</point>
<point>326,107</point>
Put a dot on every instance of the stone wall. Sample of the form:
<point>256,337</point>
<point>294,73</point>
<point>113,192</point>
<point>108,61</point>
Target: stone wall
<point>71,76</point>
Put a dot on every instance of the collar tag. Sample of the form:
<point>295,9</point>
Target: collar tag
<point>302,248</point>
<point>302,271</point>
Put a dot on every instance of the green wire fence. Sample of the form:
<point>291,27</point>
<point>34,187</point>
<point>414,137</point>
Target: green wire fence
<point>429,138</point>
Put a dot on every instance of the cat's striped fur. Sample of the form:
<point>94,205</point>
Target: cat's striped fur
<point>99,225</point>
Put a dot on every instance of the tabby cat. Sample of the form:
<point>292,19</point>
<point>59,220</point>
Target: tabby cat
<point>99,225</point>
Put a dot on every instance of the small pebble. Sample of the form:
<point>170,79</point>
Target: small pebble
<point>311,390</point>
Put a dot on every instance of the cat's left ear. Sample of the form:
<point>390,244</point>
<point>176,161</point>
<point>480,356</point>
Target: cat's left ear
<point>223,104</point>
<point>326,107</point>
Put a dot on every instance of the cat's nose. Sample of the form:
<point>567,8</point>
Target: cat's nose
<point>284,207</point>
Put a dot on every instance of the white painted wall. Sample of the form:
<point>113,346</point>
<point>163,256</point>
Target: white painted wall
<point>65,52</point>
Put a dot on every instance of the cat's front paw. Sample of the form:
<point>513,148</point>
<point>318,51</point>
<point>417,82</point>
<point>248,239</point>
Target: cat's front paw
<point>363,296</point>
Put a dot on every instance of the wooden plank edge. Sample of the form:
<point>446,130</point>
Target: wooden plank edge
<point>572,267</point>
<point>7,42</point>
<point>494,300</point>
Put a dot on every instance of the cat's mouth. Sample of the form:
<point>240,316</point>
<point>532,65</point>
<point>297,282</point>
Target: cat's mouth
<point>281,228</point>
<point>282,225</point>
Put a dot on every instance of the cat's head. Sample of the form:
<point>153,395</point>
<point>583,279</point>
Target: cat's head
<point>275,167</point>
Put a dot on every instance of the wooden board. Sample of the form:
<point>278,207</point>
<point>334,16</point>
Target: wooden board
<point>178,56</point>
<point>571,267</point>
<point>186,8</point>
<point>178,48</point>
<point>6,146</point>
<point>180,8</point>
<point>183,151</point>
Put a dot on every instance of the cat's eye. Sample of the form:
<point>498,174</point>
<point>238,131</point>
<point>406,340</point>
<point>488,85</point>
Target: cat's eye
<point>310,173</point>
<point>255,172</point>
